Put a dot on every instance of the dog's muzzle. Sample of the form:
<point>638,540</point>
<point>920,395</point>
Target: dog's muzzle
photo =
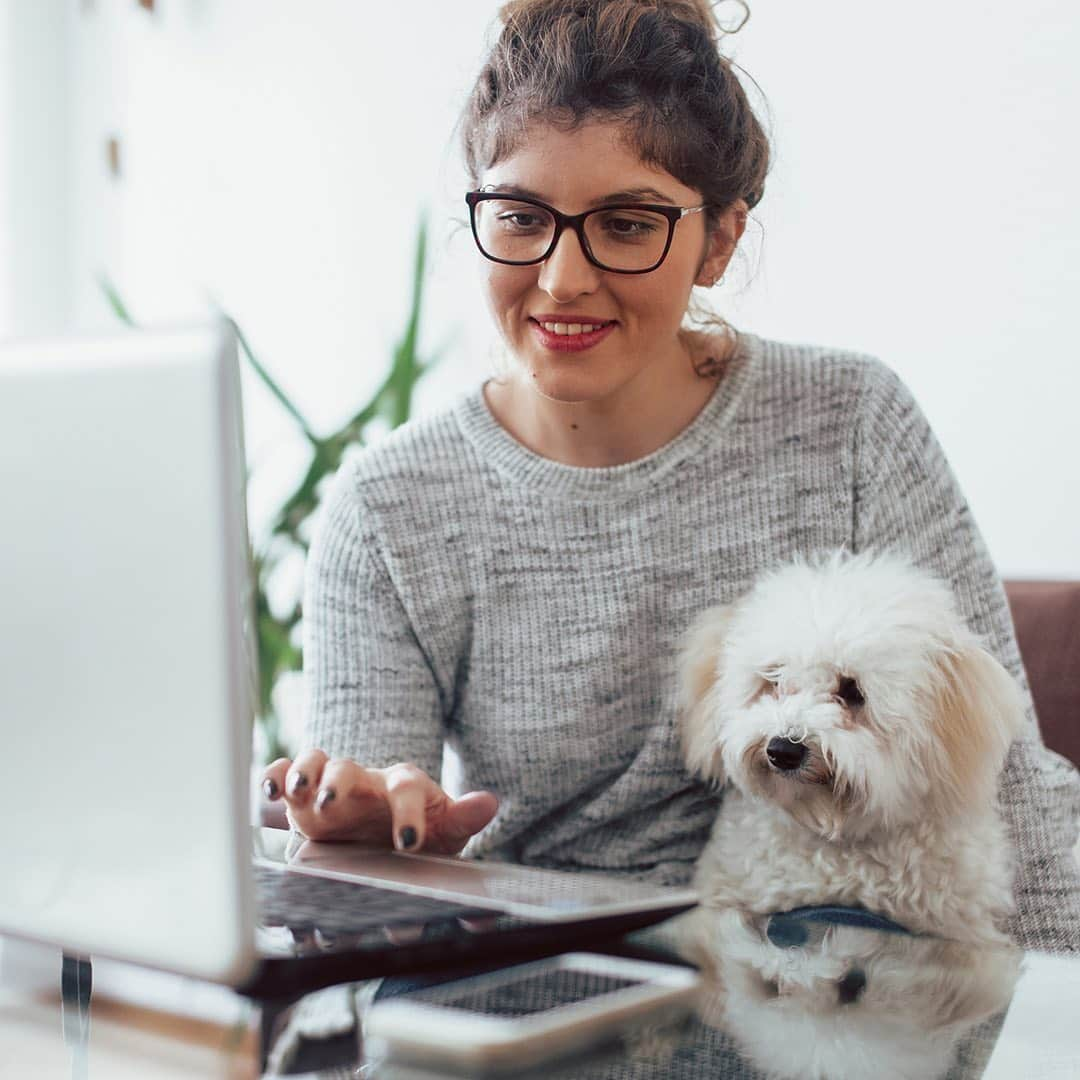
<point>784,754</point>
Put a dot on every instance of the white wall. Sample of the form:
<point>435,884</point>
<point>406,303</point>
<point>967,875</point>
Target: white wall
<point>277,154</point>
<point>923,208</point>
<point>35,288</point>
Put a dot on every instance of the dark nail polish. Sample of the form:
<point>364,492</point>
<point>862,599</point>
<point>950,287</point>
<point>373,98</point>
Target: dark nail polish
<point>325,796</point>
<point>407,836</point>
<point>270,789</point>
<point>298,781</point>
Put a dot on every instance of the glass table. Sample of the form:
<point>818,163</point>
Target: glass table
<point>791,996</point>
<point>821,993</point>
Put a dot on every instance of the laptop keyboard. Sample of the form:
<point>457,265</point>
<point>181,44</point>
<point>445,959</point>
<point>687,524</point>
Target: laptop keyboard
<point>303,901</point>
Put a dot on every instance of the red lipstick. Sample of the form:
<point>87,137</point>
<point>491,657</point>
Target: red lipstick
<point>600,328</point>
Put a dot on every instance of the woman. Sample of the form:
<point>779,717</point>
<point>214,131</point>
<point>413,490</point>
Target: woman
<point>512,576</point>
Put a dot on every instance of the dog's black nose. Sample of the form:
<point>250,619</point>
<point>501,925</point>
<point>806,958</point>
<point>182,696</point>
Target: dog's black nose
<point>785,754</point>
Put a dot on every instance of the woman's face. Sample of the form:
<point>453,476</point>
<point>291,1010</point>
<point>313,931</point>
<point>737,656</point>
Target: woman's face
<point>575,171</point>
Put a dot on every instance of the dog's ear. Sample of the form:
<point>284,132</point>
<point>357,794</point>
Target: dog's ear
<point>978,713</point>
<point>699,664</point>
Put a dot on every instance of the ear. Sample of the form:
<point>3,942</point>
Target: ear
<point>699,665</point>
<point>978,712</point>
<point>721,241</point>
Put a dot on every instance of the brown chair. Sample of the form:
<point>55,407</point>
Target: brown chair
<point>1047,619</point>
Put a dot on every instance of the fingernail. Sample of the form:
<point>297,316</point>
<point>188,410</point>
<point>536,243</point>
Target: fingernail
<point>298,781</point>
<point>270,789</point>
<point>407,836</point>
<point>325,796</point>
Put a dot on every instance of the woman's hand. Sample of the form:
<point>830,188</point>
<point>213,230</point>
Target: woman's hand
<point>337,799</point>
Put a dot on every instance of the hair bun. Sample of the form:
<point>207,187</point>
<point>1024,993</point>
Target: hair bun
<point>722,17</point>
<point>717,17</point>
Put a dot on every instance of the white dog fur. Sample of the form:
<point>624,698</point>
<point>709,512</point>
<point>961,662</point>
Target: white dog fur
<point>865,664</point>
<point>796,1012</point>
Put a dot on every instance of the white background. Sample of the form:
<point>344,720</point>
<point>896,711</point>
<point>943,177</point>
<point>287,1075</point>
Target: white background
<point>277,155</point>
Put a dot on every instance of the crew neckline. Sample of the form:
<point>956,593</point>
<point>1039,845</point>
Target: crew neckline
<point>498,448</point>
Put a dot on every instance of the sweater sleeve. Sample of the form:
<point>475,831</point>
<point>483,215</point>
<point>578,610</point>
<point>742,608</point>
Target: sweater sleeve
<point>370,694</point>
<point>907,498</point>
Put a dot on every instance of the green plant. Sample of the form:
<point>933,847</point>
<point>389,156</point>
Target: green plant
<point>279,643</point>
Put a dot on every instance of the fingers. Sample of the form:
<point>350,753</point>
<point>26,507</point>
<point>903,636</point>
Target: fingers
<point>342,784</point>
<point>337,799</point>
<point>411,795</point>
<point>468,815</point>
<point>424,816</point>
<point>404,935</point>
<point>348,803</point>
<point>273,782</point>
<point>302,779</point>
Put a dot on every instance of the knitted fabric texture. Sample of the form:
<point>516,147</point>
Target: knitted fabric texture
<point>462,589</point>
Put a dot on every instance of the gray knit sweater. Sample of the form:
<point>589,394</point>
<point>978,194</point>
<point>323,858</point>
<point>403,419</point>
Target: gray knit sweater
<point>461,588</point>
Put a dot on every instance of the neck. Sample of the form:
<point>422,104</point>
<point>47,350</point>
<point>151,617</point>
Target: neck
<point>632,422</point>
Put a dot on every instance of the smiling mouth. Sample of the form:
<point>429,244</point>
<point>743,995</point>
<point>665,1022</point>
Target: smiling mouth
<point>571,325</point>
<point>572,329</point>
<point>571,338</point>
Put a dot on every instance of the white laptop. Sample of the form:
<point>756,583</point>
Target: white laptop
<point>126,702</point>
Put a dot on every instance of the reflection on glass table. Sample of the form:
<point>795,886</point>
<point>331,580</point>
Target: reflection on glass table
<point>818,993</point>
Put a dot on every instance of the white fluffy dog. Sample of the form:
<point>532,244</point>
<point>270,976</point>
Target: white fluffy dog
<point>862,728</point>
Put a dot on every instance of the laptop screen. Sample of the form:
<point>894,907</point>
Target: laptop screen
<point>126,686</point>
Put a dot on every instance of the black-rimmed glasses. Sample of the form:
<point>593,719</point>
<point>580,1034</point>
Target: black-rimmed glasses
<point>625,238</point>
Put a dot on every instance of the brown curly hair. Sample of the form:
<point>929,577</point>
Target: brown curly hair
<point>653,65</point>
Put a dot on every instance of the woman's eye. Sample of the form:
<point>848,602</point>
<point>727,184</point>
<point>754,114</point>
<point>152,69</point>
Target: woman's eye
<point>848,692</point>
<point>520,221</point>
<point>625,225</point>
<point>629,228</point>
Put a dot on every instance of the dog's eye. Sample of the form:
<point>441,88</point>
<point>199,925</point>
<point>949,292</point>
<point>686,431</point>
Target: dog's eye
<point>849,693</point>
<point>768,686</point>
<point>770,677</point>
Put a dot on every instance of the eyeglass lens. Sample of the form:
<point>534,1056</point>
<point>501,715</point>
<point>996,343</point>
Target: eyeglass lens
<point>620,239</point>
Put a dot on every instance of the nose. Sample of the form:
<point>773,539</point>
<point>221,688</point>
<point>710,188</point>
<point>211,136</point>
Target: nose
<point>566,273</point>
<point>785,754</point>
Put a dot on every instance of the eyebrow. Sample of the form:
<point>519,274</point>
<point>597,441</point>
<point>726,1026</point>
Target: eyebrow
<point>626,195</point>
